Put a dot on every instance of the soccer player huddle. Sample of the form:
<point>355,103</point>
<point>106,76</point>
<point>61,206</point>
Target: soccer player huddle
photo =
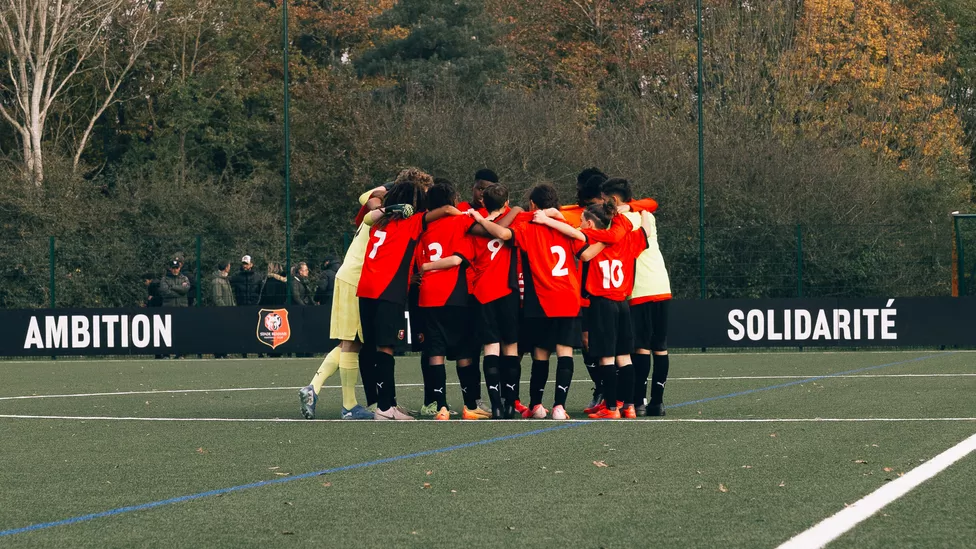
<point>486,277</point>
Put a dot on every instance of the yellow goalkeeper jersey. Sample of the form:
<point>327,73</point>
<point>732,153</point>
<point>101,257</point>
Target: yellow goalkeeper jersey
<point>651,282</point>
<point>352,263</point>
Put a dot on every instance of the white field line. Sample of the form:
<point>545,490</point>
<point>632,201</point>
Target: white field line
<point>835,526</point>
<point>810,351</point>
<point>690,420</point>
<point>237,389</point>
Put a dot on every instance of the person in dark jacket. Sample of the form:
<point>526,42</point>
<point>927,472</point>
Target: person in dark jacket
<point>326,287</point>
<point>152,291</point>
<point>174,286</point>
<point>247,283</point>
<point>301,293</point>
<point>275,290</point>
<point>187,271</point>
<point>221,294</point>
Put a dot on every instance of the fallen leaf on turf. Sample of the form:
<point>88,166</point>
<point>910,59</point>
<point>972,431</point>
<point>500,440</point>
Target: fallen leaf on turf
<point>327,484</point>
<point>414,533</point>
<point>288,533</point>
<point>510,527</point>
<point>699,486</point>
<point>901,474</point>
<point>201,451</point>
<point>747,466</point>
<point>426,485</point>
<point>282,474</point>
<point>722,488</point>
<point>430,473</point>
<point>861,461</point>
<point>782,484</point>
<point>773,435</point>
<point>874,446</point>
<point>289,503</point>
<point>273,468</point>
<point>453,491</point>
<point>558,472</point>
<point>888,469</point>
<point>600,463</point>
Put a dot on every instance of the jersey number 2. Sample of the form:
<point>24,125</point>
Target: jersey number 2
<point>560,268</point>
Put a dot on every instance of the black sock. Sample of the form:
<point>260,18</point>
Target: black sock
<point>592,370</point>
<point>384,380</point>
<point>564,376</point>
<point>537,381</point>
<point>642,369</point>
<point>476,370</point>
<point>429,395</point>
<point>438,384</point>
<point>511,372</point>
<point>625,384</point>
<point>468,377</point>
<point>609,374</point>
<point>367,370</point>
<point>659,378</point>
<point>493,380</point>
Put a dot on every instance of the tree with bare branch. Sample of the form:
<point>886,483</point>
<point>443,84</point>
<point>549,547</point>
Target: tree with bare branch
<point>46,44</point>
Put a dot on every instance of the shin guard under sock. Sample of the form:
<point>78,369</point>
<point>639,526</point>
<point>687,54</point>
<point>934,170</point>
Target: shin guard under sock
<point>659,377</point>
<point>537,381</point>
<point>564,377</point>
<point>642,369</point>
<point>493,380</point>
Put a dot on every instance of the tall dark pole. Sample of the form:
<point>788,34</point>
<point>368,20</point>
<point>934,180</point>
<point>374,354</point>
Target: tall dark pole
<point>701,159</point>
<point>284,49</point>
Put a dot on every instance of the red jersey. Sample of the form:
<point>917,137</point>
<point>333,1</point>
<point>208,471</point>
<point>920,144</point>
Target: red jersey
<point>552,282</point>
<point>611,273</point>
<point>389,259</point>
<point>465,206</point>
<point>494,269</point>
<point>443,238</point>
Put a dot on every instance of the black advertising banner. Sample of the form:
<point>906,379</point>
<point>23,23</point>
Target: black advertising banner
<point>903,322</point>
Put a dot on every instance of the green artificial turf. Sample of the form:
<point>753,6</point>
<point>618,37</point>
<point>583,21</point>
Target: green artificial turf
<point>665,483</point>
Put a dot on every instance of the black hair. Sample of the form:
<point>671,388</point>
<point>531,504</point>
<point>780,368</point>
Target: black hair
<point>494,196</point>
<point>221,265</point>
<point>544,196</point>
<point>406,192</point>
<point>442,193</point>
<point>586,174</point>
<point>600,214</point>
<point>484,174</point>
<point>618,187</point>
<point>591,190</point>
<point>148,276</point>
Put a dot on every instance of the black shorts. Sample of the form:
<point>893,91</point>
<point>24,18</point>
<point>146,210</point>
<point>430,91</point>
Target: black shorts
<point>610,328</point>
<point>546,333</point>
<point>584,318</point>
<point>450,332</point>
<point>384,323</point>
<point>650,322</point>
<point>417,327</point>
<point>499,320</point>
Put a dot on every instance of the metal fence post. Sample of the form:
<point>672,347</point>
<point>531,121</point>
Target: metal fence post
<point>960,254</point>
<point>799,260</point>
<point>50,254</point>
<point>197,282</point>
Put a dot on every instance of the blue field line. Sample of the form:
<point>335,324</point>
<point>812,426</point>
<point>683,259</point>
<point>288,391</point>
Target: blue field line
<point>561,426</point>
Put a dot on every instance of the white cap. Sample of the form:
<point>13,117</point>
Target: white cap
<point>246,259</point>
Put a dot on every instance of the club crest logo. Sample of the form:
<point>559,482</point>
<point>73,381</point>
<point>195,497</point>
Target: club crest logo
<point>401,335</point>
<point>273,329</point>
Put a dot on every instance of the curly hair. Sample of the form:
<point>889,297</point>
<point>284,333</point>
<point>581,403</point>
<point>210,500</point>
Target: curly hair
<point>415,176</point>
<point>406,192</point>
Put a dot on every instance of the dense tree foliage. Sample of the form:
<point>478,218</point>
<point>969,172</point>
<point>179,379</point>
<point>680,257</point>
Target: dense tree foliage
<point>824,113</point>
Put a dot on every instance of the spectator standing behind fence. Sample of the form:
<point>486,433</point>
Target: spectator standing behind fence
<point>187,271</point>
<point>152,291</point>
<point>221,294</point>
<point>326,286</point>
<point>301,294</point>
<point>174,286</point>
<point>247,283</point>
<point>275,289</point>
